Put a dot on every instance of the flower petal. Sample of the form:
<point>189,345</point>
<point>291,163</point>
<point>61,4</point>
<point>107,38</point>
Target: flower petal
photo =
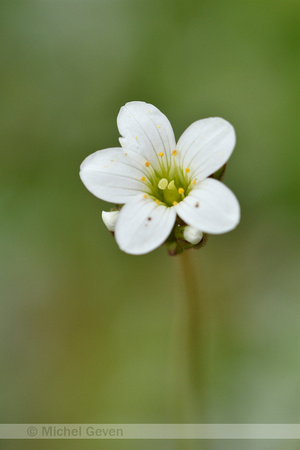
<point>211,207</point>
<point>143,225</point>
<point>113,174</point>
<point>205,146</point>
<point>147,131</point>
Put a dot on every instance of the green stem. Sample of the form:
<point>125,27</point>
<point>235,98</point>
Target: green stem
<point>196,330</point>
<point>192,312</point>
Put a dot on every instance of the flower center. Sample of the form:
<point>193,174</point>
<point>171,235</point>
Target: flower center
<point>169,183</point>
<point>170,192</point>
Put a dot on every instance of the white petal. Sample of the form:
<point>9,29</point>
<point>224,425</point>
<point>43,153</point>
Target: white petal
<point>205,146</point>
<point>110,219</point>
<point>114,175</point>
<point>210,207</point>
<point>147,131</point>
<point>192,235</point>
<point>143,225</point>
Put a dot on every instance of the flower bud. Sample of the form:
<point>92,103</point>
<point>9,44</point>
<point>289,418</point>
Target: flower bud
<point>192,235</point>
<point>174,248</point>
<point>110,219</point>
<point>186,240</point>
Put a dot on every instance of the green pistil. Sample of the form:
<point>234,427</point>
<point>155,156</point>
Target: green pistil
<point>163,183</point>
<point>170,192</point>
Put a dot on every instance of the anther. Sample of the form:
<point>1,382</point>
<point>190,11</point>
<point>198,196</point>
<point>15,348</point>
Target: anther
<point>175,203</point>
<point>161,154</point>
<point>174,152</point>
<point>157,202</point>
<point>143,179</point>
<point>194,181</point>
<point>187,170</point>
<point>147,164</point>
<point>163,183</point>
<point>145,196</point>
<point>180,190</point>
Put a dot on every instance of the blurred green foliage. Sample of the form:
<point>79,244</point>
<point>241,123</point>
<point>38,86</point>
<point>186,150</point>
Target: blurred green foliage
<point>86,331</point>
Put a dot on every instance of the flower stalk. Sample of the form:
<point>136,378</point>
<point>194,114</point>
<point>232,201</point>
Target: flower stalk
<point>196,342</point>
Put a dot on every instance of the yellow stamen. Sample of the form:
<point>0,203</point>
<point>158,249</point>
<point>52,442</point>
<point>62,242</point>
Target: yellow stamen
<point>157,202</point>
<point>145,196</point>
<point>143,179</point>
<point>147,164</point>
<point>180,191</point>
<point>187,170</point>
<point>163,183</point>
<point>194,181</point>
<point>175,203</point>
<point>174,152</point>
<point>161,154</point>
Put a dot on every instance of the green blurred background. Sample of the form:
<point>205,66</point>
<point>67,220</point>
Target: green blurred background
<point>87,333</point>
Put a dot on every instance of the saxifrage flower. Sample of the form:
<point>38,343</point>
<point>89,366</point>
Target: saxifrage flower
<point>158,180</point>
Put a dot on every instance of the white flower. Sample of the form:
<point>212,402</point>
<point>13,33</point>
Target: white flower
<point>157,179</point>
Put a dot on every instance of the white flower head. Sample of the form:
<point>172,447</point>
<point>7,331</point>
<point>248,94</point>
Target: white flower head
<point>158,180</point>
